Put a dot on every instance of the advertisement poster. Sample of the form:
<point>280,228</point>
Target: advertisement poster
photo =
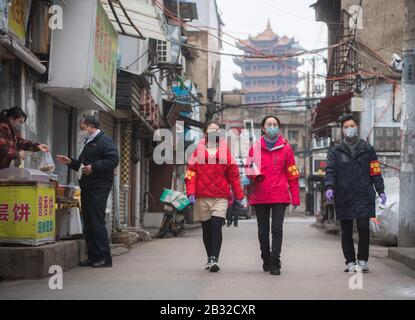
<point>27,214</point>
<point>104,71</point>
<point>18,15</point>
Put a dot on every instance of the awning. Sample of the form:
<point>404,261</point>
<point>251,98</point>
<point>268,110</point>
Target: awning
<point>174,110</point>
<point>134,19</point>
<point>190,122</point>
<point>329,110</point>
<point>23,54</point>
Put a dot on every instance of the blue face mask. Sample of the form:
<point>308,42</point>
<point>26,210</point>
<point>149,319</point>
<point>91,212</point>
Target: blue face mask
<point>272,131</point>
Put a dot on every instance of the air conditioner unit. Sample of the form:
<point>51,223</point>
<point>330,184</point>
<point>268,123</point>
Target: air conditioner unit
<point>163,50</point>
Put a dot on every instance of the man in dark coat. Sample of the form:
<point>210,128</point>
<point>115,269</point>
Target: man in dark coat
<point>352,173</point>
<point>95,167</point>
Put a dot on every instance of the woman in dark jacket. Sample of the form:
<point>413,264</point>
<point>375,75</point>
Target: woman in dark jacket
<point>352,173</point>
<point>11,141</point>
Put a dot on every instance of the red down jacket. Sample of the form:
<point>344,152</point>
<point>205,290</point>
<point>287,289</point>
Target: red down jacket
<point>210,178</point>
<point>281,174</point>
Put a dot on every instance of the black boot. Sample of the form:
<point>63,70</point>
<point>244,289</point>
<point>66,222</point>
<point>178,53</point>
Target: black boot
<point>265,259</point>
<point>275,265</point>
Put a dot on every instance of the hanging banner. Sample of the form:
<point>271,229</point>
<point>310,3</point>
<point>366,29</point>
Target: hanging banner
<point>18,15</point>
<point>104,71</point>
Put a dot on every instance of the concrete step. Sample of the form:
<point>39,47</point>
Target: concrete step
<point>34,262</point>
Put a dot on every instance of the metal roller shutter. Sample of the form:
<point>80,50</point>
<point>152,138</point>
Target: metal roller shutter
<point>107,123</point>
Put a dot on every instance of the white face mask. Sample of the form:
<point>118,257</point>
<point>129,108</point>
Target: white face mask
<point>350,132</point>
<point>84,135</point>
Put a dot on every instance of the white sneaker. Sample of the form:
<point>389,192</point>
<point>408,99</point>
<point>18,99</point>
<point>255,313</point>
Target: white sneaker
<point>363,266</point>
<point>351,267</point>
<point>208,263</point>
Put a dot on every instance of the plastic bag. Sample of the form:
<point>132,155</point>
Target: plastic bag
<point>47,164</point>
<point>75,226</point>
<point>79,173</point>
<point>178,199</point>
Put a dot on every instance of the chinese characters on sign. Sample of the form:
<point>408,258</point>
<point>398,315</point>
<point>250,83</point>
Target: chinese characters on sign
<point>27,214</point>
<point>20,212</point>
<point>104,71</point>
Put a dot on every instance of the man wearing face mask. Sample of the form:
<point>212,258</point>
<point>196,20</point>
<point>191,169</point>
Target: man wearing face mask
<point>353,173</point>
<point>97,162</point>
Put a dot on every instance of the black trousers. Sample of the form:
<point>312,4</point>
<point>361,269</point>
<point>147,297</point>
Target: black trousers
<point>232,215</point>
<point>263,212</point>
<point>347,239</point>
<point>94,202</point>
<point>212,236</point>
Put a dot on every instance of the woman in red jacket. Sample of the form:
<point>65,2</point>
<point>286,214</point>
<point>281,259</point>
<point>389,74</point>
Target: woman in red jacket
<point>211,169</point>
<point>278,188</point>
<point>11,142</point>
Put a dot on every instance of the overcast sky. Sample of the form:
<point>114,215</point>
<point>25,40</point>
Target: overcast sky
<point>293,18</point>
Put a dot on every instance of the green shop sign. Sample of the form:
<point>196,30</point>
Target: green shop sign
<point>104,71</point>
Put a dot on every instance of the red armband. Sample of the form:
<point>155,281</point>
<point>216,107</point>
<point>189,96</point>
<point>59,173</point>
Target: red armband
<point>293,172</point>
<point>375,169</point>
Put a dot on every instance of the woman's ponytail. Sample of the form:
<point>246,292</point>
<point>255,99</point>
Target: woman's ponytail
<point>3,115</point>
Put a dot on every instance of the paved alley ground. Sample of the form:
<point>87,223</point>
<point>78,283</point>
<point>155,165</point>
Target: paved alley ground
<point>172,268</point>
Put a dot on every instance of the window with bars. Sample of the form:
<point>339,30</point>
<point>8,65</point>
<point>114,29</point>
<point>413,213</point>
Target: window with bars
<point>387,139</point>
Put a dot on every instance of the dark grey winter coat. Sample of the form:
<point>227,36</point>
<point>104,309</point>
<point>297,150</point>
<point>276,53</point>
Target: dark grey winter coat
<point>354,180</point>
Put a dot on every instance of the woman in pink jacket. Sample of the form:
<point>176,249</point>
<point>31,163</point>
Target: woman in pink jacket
<point>278,187</point>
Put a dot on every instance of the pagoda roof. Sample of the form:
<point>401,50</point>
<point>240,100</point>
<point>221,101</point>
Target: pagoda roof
<point>268,35</point>
<point>243,61</point>
<point>264,74</point>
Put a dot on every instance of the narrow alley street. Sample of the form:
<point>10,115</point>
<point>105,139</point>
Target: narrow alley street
<point>172,269</point>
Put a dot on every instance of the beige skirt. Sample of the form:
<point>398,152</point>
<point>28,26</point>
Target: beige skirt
<point>205,208</point>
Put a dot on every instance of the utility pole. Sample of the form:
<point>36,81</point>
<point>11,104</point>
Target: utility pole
<point>309,140</point>
<point>406,234</point>
<point>306,154</point>
<point>313,77</point>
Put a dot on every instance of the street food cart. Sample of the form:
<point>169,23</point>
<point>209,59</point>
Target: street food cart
<point>27,207</point>
<point>35,209</point>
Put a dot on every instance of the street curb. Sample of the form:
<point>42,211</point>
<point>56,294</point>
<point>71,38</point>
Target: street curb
<point>188,227</point>
<point>405,256</point>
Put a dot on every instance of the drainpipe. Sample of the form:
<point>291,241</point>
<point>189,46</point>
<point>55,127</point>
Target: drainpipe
<point>117,183</point>
<point>137,194</point>
<point>23,54</point>
<point>126,203</point>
